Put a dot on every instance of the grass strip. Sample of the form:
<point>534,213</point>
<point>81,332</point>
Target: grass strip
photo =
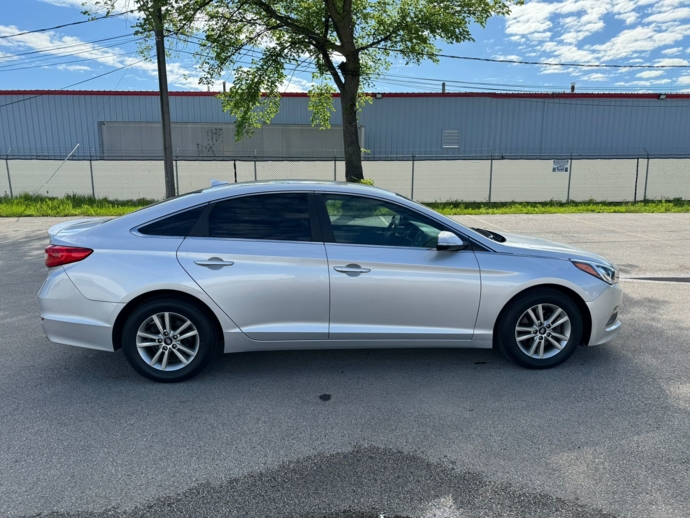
<point>71,205</point>
<point>556,207</point>
<point>26,205</point>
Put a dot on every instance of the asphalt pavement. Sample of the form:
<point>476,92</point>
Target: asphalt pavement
<point>360,434</point>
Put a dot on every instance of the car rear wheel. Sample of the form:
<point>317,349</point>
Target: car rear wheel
<point>540,329</point>
<point>168,340</point>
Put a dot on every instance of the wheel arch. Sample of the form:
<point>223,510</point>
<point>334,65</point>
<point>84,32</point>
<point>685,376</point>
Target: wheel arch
<point>144,297</point>
<point>574,296</point>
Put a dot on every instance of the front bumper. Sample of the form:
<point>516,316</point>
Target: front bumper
<point>67,317</point>
<point>601,309</point>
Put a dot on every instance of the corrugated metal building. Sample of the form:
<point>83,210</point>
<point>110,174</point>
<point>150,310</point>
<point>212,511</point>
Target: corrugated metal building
<point>395,124</point>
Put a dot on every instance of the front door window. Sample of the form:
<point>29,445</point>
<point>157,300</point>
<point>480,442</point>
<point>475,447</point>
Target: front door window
<point>357,220</point>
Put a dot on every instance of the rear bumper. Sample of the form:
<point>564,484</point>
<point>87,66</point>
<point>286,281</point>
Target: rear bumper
<point>70,318</point>
<point>601,309</point>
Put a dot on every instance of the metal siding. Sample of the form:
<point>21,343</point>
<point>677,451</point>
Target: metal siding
<point>53,124</point>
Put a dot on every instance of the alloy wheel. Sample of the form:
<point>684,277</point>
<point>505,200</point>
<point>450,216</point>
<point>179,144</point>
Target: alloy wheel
<point>167,341</point>
<point>543,331</point>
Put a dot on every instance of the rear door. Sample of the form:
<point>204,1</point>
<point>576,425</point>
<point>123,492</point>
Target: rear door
<point>388,281</point>
<point>262,260</point>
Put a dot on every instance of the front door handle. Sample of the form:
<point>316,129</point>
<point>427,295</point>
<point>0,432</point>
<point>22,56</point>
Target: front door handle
<point>351,268</point>
<point>214,261</point>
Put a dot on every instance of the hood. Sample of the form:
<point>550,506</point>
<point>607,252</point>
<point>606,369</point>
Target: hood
<point>74,226</point>
<point>528,245</point>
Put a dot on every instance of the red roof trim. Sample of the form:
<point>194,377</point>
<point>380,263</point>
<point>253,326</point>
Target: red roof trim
<point>530,95</point>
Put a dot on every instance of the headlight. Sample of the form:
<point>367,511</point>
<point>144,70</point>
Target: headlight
<point>608,274</point>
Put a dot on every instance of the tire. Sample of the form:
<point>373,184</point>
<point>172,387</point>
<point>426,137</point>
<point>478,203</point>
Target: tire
<point>517,342</point>
<point>196,342</point>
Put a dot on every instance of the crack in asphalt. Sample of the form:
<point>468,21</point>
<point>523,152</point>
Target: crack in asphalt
<point>367,482</point>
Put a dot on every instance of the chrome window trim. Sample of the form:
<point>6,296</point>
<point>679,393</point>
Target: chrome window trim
<point>386,247</point>
<point>310,242</point>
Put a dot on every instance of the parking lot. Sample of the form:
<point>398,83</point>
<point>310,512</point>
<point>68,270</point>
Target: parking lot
<point>408,433</point>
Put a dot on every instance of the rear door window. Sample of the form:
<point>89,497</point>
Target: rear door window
<point>278,217</point>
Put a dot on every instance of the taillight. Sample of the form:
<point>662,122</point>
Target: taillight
<point>57,255</point>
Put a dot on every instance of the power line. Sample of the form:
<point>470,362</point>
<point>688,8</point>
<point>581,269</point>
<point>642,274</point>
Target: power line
<point>60,63</point>
<point>42,61</point>
<point>66,25</point>
<point>431,84</point>
<point>509,61</point>
<point>74,84</point>
<point>51,49</point>
<point>540,63</point>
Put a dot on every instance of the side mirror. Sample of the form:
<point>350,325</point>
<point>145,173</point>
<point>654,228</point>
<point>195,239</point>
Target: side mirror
<point>450,242</point>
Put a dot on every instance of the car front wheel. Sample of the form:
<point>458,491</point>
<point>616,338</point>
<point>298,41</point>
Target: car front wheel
<point>540,329</point>
<point>168,340</point>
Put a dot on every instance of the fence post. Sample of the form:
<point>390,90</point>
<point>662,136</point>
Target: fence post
<point>335,179</point>
<point>412,189</point>
<point>491,175</point>
<point>234,167</point>
<point>93,186</point>
<point>177,177</point>
<point>646,177</point>
<point>7,167</point>
<point>570,175</point>
<point>255,165</point>
<point>637,172</point>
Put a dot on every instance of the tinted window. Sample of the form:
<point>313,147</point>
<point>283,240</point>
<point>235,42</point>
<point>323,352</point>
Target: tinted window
<point>283,217</point>
<point>366,221</point>
<point>179,224</point>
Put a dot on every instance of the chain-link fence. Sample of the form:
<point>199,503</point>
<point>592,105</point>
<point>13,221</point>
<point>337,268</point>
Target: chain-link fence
<point>422,178</point>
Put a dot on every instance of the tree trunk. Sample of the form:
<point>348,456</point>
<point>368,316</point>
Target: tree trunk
<point>352,146</point>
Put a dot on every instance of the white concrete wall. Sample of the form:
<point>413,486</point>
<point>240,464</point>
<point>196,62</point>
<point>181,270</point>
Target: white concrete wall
<point>434,180</point>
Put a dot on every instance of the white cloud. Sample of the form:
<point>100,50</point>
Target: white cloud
<point>671,62</point>
<point>118,7</point>
<point>509,57</point>
<point>683,80</point>
<point>597,76</point>
<point>295,84</point>
<point>638,39</point>
<point>559,70</point>
<point>6,56</point>
<point>650,73</point>
<point>565,30</point>
<point>645,83</point>
<point>53,44</point>
<point>73,68</point>
<point>570,53</point>
<point>670,15</point>
<point>530,18</point>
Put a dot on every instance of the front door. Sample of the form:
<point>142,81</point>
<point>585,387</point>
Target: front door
<point>388,281</point>
<point>261,260</point>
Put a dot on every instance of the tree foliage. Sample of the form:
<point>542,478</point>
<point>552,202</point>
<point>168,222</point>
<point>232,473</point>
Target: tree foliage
<point>345,44</point>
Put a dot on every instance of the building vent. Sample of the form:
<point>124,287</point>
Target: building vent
<point>451,138</point>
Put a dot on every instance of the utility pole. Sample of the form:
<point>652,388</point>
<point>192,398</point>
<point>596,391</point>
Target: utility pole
<point>165,102</point>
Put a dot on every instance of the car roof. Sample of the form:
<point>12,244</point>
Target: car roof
<point>289,185</point>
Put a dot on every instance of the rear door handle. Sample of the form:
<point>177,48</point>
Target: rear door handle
<point>351,268</point>
<point>214,261</point>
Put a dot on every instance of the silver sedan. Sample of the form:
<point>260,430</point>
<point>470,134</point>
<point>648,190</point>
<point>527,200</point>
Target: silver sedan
<point>309,265</point>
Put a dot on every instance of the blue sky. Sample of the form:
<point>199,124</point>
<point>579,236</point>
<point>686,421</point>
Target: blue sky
<point>629,32</point>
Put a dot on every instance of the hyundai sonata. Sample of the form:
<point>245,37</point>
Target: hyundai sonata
<point>308,265</point>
